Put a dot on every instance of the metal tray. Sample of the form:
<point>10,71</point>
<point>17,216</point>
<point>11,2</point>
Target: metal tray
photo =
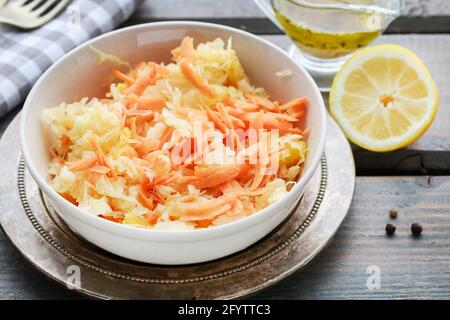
<point>37,232</point>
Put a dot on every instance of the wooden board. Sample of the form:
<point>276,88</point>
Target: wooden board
<point>410,268</point>
<point>414,268</point>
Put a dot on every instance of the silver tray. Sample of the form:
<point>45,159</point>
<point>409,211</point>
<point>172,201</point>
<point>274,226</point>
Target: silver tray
<point>44,240</point>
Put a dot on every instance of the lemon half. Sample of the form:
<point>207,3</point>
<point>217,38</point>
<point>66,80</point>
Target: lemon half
<point>384,98</point>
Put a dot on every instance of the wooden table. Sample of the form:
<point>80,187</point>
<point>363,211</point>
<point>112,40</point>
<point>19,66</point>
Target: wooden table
<point>415,181</point>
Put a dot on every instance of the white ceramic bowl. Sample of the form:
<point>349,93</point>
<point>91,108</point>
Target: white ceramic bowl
<point>76,75</point>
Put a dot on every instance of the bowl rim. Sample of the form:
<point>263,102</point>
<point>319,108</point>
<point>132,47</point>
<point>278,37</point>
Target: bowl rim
<point>175,235</point>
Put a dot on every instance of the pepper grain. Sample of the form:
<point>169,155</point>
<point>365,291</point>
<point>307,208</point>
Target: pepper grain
<point>393,214</point>
<point>416,229</point>
<point>390,229</point>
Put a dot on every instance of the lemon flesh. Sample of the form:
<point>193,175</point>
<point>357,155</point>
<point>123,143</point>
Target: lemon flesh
<point>384,98</point>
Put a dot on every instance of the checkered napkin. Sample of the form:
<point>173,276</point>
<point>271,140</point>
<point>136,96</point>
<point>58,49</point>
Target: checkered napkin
<point>25,55</point>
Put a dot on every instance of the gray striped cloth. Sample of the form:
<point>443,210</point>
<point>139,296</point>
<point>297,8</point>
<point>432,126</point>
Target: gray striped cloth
<point>25,55</point>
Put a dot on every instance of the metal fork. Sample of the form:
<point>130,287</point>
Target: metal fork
<point>29,14</point>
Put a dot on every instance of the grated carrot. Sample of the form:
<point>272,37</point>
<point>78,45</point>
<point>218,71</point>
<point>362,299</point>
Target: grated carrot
<point>113,218</point>
<point>296,107</point>
<point>143,82</point>
<point>187,49</point>
<point>191,75</point>
<point>127,79</point>
<point>83,164</point>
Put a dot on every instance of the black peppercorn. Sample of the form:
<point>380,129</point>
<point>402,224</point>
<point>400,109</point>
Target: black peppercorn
<point>416,229</point>
<point>393,214</point>
<point>390,229</point>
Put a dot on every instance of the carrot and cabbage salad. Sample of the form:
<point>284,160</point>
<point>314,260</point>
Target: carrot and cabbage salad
<point>115,156</point>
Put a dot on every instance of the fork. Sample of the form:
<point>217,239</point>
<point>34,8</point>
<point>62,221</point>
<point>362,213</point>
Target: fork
<point>29,14</point>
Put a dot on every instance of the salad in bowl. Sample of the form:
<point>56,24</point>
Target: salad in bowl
<point>185,145</point>
<point>173,142</point>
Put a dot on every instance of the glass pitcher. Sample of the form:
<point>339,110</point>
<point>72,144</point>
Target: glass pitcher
<point>327,32</point>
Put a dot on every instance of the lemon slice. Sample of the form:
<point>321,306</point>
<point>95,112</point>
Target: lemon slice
<point>384,98</point>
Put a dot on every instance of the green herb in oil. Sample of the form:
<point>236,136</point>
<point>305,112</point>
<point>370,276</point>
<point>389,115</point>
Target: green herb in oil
<point>325,45</point>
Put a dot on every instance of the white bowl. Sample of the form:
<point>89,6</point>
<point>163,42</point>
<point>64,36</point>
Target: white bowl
<point>76,75</point>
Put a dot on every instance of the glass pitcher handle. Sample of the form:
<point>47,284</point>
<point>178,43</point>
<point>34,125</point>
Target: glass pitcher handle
<point>266,7</point>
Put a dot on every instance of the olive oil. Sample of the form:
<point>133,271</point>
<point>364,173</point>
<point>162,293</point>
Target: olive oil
<point>324,44</point>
